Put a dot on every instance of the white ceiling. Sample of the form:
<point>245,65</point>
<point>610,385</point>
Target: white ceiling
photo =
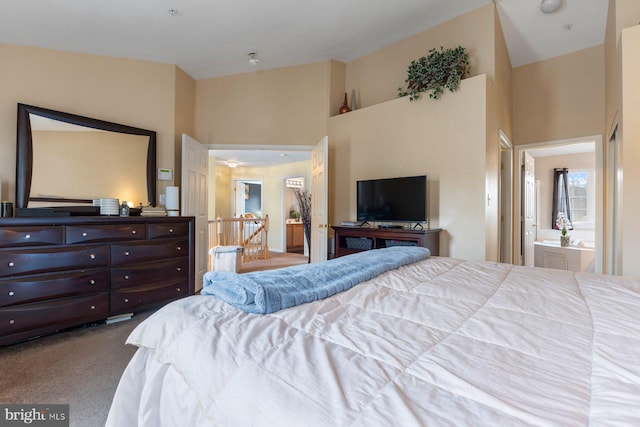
<point>212,38</point>
<point>259,156</point>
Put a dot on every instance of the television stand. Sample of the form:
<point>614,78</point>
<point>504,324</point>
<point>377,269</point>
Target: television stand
<point>350,240</point>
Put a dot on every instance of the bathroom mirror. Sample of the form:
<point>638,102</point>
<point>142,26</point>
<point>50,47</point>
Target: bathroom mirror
<point>65,159</point>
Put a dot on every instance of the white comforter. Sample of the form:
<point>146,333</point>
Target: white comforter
<point>439,342</point>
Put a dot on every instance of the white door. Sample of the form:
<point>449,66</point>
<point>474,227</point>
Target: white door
<point>238,198</point>
<point>528,209</point>
<point>195,161</point>
<point>319,217</point>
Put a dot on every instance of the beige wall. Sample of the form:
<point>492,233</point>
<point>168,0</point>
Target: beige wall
<point>377,76</point>
<point>284,106</point>
<point>222,196</point>
<point>185,103</point>
<point>499,118</point>
<point>135,93</point>
<point>503,80</point>
<point>613,67</point>
<point>631,150</point>
<point>403,138</point>
<point>621,14</point>
<point>559,98</point>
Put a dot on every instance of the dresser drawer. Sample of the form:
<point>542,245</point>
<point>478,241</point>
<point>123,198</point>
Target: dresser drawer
<point>28,320</point>
<point>30,236</point>
<point>135,299</point>
<point>28,289</point>
<point>41,260</point>
<point>149,273</point>
<point>157,231</point>
<point>148,251</point>
<point>103,233</point>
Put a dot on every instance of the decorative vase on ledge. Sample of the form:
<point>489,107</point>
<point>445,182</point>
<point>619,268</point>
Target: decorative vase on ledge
<point>345,107</point>
<point>565,240</point>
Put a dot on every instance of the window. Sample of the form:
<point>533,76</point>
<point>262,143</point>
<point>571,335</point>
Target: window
<point>574,197</point>
<point>581,196</point>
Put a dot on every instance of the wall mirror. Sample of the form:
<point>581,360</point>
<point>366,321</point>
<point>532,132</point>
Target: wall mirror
<point>65,159</point>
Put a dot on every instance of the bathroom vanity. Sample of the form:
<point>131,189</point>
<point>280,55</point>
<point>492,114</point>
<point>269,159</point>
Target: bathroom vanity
<point>549,254</point>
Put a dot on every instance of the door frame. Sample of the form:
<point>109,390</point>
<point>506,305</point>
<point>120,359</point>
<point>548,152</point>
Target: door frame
<point>613,241</point>
<point>284,211</point>
<point>235,182</point>
<point>600,205</point>
<point>505,199</point>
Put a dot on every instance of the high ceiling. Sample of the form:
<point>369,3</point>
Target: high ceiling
<point>212,38</point>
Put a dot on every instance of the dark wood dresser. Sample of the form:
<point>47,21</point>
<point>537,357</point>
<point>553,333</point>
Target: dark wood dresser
<point>61,272</point>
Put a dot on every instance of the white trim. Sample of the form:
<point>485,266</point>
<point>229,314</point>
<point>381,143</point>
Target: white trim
<point>259,147</point>
<point>505,200</point>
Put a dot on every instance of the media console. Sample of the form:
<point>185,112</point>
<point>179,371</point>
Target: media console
<point>350,240</point>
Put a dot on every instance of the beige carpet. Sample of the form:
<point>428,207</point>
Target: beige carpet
<point>82,366</point>
<point>276,260</point>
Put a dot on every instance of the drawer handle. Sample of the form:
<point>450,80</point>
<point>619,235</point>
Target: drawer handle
<point>11,293</point>
<point>11,264</point>
<point>84,234</point>
<point>179,248</point>
<point>93,307</point>
<point>133,232</point>
<point>126,277</point>
<point>11,322</point>
<point>126,253</point>
<point>178,289</point>
<point>27,236</point>
<point>171,230</point>
<point>178,268</point>
<point>92,256</point>
<point>92,282</point>
<point>126,300</point>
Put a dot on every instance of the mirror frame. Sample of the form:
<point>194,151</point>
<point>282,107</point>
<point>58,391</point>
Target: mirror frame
<point>24,151</point>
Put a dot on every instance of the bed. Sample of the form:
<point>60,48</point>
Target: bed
<point>436,342</point>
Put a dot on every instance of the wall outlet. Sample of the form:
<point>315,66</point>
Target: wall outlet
<point>163,199</point>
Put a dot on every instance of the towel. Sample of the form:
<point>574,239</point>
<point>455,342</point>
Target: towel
<point>268,291</point>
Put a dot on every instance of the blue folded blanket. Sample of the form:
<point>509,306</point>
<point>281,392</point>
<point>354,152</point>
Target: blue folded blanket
<point>268,291</point>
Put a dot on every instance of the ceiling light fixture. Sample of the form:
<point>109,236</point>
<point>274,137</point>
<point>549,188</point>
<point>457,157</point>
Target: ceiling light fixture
<point>173,12</point>
<point>232,163</point>
<point>253,61</point>
<point>550,6</point>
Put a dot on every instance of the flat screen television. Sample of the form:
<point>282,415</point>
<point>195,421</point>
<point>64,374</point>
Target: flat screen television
<point>401,199</point>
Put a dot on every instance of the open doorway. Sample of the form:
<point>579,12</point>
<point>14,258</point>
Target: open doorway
<point>294,230</point>
<point>536,236</point>
<point>266,164</point>
<point>247,198</point>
